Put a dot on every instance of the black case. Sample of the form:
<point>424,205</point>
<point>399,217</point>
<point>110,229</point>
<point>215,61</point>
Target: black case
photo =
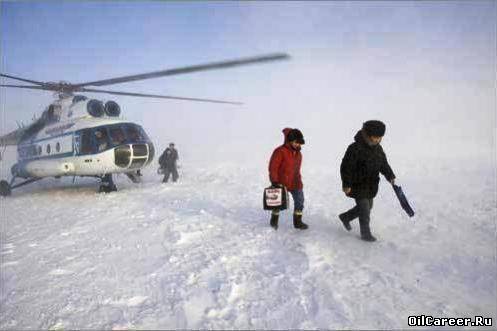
<point>403,200</point>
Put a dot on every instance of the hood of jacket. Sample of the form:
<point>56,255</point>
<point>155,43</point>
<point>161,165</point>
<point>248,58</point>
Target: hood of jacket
<point>286,143</point>
<point>286,131</point>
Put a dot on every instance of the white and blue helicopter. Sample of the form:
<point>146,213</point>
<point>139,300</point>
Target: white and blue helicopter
<point>78,136</point>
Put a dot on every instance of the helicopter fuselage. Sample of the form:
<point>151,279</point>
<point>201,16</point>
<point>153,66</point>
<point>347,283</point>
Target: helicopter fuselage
<point>79,142</point>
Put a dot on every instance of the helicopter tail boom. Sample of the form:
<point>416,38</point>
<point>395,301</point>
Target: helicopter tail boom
<point>12,138</point>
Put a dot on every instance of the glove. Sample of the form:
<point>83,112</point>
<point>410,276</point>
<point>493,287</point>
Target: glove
<point>276,184</point>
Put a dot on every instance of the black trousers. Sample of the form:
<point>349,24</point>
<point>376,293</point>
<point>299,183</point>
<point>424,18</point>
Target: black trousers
<point>362,210</point>
<point>168,172</point>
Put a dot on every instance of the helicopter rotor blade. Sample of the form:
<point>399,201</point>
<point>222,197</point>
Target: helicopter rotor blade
<point>45,88</point>
<point>23,79</point>
<point>189,69</point>
<point>159,96</point>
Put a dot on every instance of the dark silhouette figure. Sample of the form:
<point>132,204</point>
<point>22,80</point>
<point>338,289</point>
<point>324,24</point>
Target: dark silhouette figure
<point>168,163</point>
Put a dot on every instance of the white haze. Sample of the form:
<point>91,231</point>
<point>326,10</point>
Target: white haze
<point>428,115</point>
<point>200,253</point>
<point>419,68</point>
<point>437,97</point>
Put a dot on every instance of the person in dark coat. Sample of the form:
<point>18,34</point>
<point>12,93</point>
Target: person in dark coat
<point>167,162</point>
<point>284,170</point>
<point>364,160</point>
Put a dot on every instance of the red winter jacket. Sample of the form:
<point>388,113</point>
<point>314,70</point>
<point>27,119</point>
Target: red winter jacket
<point>284,166</point>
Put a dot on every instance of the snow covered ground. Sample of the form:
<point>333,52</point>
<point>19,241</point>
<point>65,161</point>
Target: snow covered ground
<point>200,253</point>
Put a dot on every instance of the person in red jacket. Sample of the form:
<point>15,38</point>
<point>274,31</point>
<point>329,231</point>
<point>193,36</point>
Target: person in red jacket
<point>284,170</point>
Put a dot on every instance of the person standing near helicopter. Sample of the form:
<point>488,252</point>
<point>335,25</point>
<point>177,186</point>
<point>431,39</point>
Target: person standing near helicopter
<point>168,163</point>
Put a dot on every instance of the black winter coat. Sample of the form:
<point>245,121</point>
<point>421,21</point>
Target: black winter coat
<point>361,167</point>
<point>168,158</point>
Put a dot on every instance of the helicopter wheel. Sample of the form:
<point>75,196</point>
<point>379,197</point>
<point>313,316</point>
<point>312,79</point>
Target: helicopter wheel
<point>5,188</point>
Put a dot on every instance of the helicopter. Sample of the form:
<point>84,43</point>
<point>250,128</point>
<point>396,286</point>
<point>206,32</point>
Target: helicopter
<point>79,136</point>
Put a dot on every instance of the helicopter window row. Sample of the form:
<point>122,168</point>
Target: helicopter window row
<point>101,138</point>
<point>31,151</point>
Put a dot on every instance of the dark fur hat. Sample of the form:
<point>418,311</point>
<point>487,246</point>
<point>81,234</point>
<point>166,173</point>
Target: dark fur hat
<point>374,128</point>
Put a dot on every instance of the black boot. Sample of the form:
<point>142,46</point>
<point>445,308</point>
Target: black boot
<point>346,223</point>
<point>368,237</point>
<point>274,221</point>
<point>366,232</point>
<point>297,222</point>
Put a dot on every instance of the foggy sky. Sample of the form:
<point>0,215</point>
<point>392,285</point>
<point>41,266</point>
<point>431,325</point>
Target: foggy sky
<point>427,69</point>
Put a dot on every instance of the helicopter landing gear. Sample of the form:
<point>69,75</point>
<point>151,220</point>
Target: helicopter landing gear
<point>5,188</point>
<point>135,177</point>
<point>107,185</point>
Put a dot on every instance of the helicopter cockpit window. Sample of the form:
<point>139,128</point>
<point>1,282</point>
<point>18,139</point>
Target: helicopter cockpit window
<point>101,139</point>
<point>117,136</point>
<point>135,133</point>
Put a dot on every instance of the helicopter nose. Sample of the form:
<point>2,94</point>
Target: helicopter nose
<point>122,156</point>
<point>133,156</point>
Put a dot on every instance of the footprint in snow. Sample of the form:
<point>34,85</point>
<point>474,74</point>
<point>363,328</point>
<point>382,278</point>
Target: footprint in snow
<point>131,302</point>
<point>136,301</point>
<point>59,272</point>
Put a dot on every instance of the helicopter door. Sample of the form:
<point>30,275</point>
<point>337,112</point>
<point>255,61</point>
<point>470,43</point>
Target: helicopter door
<point>86,146</point>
